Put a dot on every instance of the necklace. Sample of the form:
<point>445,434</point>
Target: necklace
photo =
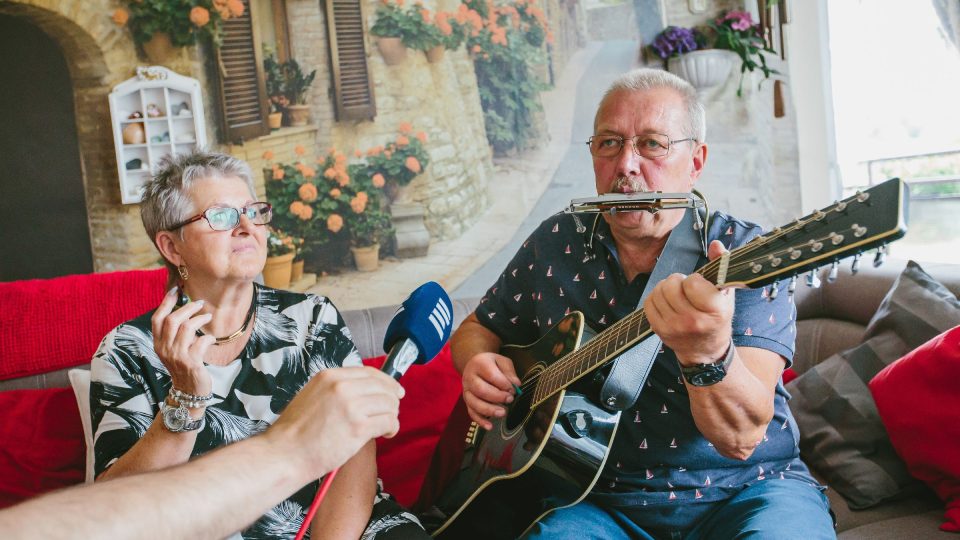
<point>240,331</point>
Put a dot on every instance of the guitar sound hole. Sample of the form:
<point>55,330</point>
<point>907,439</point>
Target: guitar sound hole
<point>518,410</point>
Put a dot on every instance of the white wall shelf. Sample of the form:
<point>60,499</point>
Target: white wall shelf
<point>170,109</point>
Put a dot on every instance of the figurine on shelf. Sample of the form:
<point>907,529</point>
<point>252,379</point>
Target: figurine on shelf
<point>135,115</point>
<point>134,134</point>
<point>153,111</point>
<point>134,164</point>
<point>161,138</point>
<point>181,109</point>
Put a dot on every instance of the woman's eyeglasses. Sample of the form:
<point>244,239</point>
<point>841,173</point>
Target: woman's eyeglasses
<point>225,218</point>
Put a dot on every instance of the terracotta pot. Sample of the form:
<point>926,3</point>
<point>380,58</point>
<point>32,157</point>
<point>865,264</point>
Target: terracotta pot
<point>296,271</point>
<point>159,49</point>
<point>276,273</point>
<point>299,114</point>
<point>435,54</point>
<point>392,50</point>
<point>366,258</point>
<point>275,120</point>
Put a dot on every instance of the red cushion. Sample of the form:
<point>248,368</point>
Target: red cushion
<point>918,402</point>
<point>432,391</point>
<point>41,443</point>
<point>788,375</point>
<point>51,324</point>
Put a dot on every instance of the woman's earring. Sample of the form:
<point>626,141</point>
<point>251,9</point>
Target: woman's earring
<point>182,270</point>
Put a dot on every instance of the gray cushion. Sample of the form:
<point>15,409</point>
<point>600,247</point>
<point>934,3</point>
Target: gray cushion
<point>841,433</point>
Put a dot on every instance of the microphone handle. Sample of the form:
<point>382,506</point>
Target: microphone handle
<point>402,355</point>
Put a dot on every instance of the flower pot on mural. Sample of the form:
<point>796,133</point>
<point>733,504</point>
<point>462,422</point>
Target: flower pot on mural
<point>392,50</point>
<point>159,49</point>
<point>275,120</point>
<point>366,258</point>
<point>703,69</point>
<point>299,115</point>
<point>296,271</point>
<point>276,273</point>
<point>435,54</point>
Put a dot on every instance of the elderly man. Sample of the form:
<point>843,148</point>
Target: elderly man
<point>694,457</point>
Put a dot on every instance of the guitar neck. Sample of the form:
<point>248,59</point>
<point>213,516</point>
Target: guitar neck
<point>863,221</point>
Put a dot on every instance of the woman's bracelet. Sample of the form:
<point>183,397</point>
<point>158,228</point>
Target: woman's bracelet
<point>190,401</point>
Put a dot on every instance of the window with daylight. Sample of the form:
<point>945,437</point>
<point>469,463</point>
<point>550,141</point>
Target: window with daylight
<point>897,117</point>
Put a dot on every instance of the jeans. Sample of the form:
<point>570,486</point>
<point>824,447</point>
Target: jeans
<point>777,509</point>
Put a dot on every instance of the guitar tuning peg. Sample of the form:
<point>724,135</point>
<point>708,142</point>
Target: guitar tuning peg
<point>834,271</point>
<point>880,257</point>
<point>792,287</point>
<point>855,267</point>
<point>774,291</point>
<point>813,280</point>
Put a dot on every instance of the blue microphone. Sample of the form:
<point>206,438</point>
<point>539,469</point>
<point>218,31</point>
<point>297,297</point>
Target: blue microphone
<point>418,330</point>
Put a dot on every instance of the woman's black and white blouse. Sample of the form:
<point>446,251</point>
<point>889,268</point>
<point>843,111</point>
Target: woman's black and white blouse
<point>294,337</point>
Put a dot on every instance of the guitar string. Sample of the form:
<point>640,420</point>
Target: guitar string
<point>708,271</point>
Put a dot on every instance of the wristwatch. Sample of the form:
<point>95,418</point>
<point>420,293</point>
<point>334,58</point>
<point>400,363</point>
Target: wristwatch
<point>177,419</point>
<point>708,374</point>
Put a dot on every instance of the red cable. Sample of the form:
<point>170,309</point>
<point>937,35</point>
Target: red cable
<point>324,486</point>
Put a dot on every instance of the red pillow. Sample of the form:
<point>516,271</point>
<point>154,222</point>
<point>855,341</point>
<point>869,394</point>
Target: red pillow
<point>788,375</point>
<point>50,324</point>
<point>432,391</point>
<point>41,443</point>
<point>918,402</point>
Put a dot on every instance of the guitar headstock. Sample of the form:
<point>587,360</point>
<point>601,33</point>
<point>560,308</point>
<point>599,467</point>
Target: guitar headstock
<point>866,220</point>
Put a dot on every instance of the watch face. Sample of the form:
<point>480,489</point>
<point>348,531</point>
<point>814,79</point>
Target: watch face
<point>175,418</point>
<point>709,375</point>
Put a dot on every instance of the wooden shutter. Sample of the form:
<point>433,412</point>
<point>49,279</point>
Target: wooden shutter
<point>243,93</point>
<point>352,85</point>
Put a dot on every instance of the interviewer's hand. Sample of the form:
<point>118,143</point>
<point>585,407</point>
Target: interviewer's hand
<point>177,345</point>
<point>488,380</point>
<point>335,414</point>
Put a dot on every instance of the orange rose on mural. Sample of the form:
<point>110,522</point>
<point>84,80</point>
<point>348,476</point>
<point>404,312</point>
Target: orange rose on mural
<point>121,16</point>
<point>412,164</point>
<point>377,180</point>
<point>268,155</point>
<point>307,192</point>
<point>334,223</point>
<point>199,16</point>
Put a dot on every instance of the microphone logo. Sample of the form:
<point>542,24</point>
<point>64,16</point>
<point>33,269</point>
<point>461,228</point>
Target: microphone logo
<point>440,317</point>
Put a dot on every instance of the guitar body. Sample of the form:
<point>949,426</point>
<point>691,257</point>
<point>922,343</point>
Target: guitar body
<point>534,460</point>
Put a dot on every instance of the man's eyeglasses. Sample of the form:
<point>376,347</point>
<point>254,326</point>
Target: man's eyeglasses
<point>225,218</point>
<point>651,145</point>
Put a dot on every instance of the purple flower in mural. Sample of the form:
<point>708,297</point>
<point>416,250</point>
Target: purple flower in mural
<point>673,41</point>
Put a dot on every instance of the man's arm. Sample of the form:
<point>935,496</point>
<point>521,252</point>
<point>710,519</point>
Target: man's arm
<point>335,414</point>
<point>694,319</point>
<point>488,377</point>
<point>347,507</point>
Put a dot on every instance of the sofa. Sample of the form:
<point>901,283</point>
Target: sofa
<point>831,319</point>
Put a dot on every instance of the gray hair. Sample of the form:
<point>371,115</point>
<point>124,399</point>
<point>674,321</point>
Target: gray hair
<point>643,79</point>
<point>166,200</point>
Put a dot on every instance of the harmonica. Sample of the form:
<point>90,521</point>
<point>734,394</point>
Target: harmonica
<point>647,201</point>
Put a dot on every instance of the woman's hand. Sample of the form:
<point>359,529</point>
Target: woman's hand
<point>177,345</point>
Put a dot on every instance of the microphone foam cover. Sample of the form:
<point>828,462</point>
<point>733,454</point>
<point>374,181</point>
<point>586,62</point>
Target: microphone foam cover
<point>426,318</point>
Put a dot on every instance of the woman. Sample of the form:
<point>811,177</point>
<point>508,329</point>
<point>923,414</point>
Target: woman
<point>221,356</point>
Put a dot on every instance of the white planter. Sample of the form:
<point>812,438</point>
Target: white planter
<point>703,69</point>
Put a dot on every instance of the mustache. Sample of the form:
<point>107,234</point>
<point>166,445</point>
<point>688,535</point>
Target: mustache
<point>632,184</point>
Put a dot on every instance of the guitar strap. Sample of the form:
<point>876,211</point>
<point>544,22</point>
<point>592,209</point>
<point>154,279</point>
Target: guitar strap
<point>686,244</point>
